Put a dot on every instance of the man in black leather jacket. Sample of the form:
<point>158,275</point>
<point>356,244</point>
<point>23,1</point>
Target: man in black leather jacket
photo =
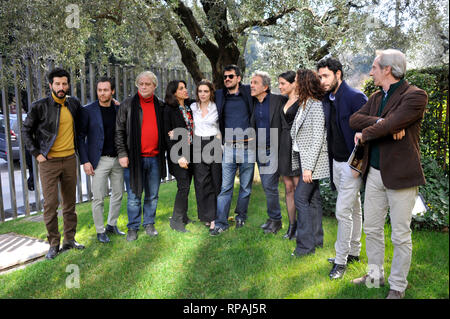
<point>140,145</point>
<point>49,135</point>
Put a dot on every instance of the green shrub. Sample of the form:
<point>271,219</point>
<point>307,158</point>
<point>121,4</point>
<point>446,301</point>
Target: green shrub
<point>328,197</point>
<point>435,193</point>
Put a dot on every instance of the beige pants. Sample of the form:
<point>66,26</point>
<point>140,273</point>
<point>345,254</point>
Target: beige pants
<point>107,168</point>
<point>348,212</point>
<point>378,199</point>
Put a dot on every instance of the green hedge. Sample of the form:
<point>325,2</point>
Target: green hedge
<point>434,149</point>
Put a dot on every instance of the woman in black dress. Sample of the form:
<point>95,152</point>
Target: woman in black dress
<point>286,84</point>
<point>177,114</point>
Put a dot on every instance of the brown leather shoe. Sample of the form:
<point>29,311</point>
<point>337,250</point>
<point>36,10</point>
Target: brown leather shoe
<point>394,294</point>
<point>367,280</point>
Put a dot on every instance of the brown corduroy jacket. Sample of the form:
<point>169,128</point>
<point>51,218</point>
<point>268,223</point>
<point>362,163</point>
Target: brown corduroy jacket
<point>400,165</point>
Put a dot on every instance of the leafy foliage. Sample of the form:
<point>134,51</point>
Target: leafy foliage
<point>435,192</point>
<point>204,35</point>
<point>328,197</point>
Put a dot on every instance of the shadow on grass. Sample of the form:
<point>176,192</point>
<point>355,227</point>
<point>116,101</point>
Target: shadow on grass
<point>218,267</point>
<point>240,263</point>
<point>110,270</point>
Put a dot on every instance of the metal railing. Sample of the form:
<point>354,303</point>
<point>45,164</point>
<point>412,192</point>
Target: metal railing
<point>21,83</point>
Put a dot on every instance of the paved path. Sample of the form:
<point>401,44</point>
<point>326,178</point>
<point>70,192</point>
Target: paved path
<point>18,249</point>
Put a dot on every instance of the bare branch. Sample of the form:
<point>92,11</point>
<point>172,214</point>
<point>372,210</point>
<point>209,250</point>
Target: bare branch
<point>217,11</point>
<point>114,15</point>
<point>188,56</point>
<point>266,22</point>
<point>197,34</point>
<point>321,52</point>
<point>116,19</point>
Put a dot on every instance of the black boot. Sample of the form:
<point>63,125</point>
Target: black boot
<point>293,234</point>
<point>289,231</point>
<point>290,234</point>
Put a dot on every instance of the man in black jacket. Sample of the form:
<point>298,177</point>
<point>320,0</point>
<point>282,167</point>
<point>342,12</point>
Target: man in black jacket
<point>266,121</point>
<point>49,135</point>
<point>141,150</point>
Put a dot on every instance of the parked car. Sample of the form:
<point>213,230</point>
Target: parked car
<point>15,133</point>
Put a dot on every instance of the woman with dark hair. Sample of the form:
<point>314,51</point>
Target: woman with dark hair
<point>178,114</point>
<point>310,154</point>
<point>207,153</point>
<point>287,86</point>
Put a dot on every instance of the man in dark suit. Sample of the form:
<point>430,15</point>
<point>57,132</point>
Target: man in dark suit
<point>234,109</point>
<point>97,126</point>
<point>389,127</point>
<point>266,120</point>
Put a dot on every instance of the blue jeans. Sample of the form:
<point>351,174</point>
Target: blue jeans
<point>234,159</point>
<point>151,179</point>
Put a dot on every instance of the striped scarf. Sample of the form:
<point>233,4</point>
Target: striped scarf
<point>187,115</point>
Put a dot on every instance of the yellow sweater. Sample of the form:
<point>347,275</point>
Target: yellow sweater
<point>64,142</point>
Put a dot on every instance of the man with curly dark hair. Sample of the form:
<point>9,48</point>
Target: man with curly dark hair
<point>340,102</point>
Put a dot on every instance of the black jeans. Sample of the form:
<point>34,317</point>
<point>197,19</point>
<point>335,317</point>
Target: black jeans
<point>184,178</point>
<point>309,221</point>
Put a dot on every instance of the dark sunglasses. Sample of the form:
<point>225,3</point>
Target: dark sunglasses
<point>229,76</point>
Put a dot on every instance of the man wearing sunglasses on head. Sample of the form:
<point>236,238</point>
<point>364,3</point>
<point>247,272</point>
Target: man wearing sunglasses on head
<point>234,109</point>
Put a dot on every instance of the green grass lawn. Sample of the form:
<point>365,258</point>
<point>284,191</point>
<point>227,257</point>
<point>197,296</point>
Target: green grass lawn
<point>240,263</point>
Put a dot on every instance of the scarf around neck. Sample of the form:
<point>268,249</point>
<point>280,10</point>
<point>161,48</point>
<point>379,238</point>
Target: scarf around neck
<point>135,147</point>
<point>187,115</point>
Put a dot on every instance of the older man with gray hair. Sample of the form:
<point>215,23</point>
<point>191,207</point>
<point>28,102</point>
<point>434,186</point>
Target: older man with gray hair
<point>140,144</point>
<point>266,120</point>
<point>388,126</point>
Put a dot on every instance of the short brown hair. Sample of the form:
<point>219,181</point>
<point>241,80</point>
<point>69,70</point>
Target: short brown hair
<point>210,85</point>
<point>308,86</point>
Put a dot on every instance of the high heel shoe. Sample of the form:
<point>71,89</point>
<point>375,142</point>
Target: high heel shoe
<point>292,229</point>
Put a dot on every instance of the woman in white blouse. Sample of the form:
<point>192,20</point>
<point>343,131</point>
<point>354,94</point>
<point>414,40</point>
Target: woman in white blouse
<point>207,153</point>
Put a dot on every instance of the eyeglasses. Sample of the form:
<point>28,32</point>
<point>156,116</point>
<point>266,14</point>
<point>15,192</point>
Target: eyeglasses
<point>230,76</point>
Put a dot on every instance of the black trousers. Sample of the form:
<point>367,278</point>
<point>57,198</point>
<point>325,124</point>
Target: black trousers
<point>207,182</point>
<point>184,178</point>
<point>309,217</point>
